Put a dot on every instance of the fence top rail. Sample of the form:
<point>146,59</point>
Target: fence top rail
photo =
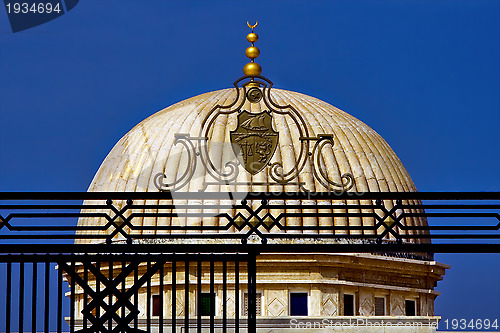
<point>138,256</point>
<point>236,250</point>
<point>249,195</point>
<point>471,218</point>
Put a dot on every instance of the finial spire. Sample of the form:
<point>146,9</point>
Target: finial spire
<point>252,52</point>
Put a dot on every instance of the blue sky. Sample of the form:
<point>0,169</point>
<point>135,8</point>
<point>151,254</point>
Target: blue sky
<point>424,74</point>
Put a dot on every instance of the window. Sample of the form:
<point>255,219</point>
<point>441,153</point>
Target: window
<point>298,304</point>
<point>410,307</point>
<point>348,305</point>
<point>257,304</point>
<point>207,304</point>
<point>156,305</point>
<point>379,306</point>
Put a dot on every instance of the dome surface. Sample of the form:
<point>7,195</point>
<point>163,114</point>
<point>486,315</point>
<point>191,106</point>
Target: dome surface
<point>150,148</point>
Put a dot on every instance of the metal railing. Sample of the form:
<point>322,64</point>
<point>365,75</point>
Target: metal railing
<point>111,257</point>
<point>459,222</point>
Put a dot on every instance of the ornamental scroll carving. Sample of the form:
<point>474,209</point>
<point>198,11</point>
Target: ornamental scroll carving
<point>254,141</point>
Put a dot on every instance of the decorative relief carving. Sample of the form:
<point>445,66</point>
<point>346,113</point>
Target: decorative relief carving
<point>230,303</point>
<point>276,303</point>
<point>254,95</point>
<point>366,303</point>
<point>179,301</point>
<point>397,305</point>
<point>330,302</point>
<point>254,143</point>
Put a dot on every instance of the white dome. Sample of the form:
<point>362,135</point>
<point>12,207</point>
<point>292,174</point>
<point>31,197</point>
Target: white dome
<point>149,149</point>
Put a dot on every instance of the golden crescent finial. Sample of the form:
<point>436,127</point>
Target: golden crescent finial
<point>252,52</point>
<point>252,26</point>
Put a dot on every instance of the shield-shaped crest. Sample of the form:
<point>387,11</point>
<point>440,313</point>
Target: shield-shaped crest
<point>254,141</point>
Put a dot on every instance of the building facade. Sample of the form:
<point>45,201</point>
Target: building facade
<point>254,138</point>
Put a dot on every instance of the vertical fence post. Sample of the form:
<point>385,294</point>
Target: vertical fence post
<point>212,297</point>
<point>160,292</point>
<point>72,297</point>
<point>59,300</point>
<point>110,297</point>
<point>85,265</point>
<point>136,296</point>
<point>148,298</point>
<point>198,297</point>
<point>46,296</point>
<point>124,264</point>
<point>186,296</point>
<point>33,295</point>
<point>237,295</point>
<point>21,294</point>
<point>174,293</point>
<point>8,300</point>
<point>252,293</point>
<point>224,296</point>
<point>98,288</point>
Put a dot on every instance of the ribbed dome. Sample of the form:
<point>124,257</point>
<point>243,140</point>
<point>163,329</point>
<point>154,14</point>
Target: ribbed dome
<point>149,149</point>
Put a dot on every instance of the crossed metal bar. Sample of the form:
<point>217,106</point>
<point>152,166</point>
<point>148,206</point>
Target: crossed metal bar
<point>124,296</point>
<point>119,214</point>
<point>84,269</point>
<point>110,290</point>
<point>247,221</point>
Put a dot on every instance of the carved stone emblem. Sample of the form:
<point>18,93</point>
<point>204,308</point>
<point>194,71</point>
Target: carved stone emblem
<point>254,141</point>
<point>254,95</point>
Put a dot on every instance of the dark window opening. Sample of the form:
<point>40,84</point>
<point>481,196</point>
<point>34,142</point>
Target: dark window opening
<point>410,308</point>
<point>379,306</point>
<point>156,305</point>
<point>348,305</point>
<point>298,304</point>
<point>257,304</point>
<point>207,304</point>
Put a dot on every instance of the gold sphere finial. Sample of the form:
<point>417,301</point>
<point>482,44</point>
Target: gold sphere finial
<point>252,37</point>
<point>252,69</point>
<point>252,52</point>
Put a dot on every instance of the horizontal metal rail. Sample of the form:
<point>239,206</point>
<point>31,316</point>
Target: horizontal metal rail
<point>249,195</point>
<point>101,249</point>
<point>455,218</point>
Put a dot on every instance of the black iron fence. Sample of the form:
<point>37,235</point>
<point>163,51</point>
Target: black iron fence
<point>103,292</point>
<point>112,263</point>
